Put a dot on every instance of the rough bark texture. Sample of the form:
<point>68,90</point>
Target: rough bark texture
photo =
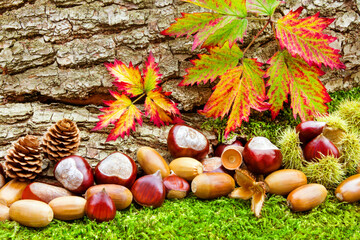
<point>52,54</point>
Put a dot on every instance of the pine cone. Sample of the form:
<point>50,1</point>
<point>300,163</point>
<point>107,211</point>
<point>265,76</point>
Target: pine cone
<point>23,159</point>
<point>61,140</point>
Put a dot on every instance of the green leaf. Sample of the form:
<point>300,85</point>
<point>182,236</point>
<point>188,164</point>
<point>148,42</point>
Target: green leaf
<point>262,7</point>
<point>152,77</point>
<point>209,67</point>
<point>292,75</point>
<point>305,37</point>
<point>228,7</point>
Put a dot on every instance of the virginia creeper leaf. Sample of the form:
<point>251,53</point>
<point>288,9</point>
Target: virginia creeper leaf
<point>121,112</point>
<point>210,66</point>
<point>230,7</point>
<point>263,7</point>
<point>160,109</point>
<point>292,75</point>
<point>151,74</point>
<point>128,79</point>
<point>305,38</point>
<point>239,89</point>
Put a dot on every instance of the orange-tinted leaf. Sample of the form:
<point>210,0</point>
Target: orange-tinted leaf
<point>305,37</point>
<point>121,112</point>
<point>210,66</point>
<point>160,109</point>
<point>239,89</point>
<point>244,178</point>
<point>241,193</point>
<point>293,75</point>
<point>128,79</point>
<point>151,74</point>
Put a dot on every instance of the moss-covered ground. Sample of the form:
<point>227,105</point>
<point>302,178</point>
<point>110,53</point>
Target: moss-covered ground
<point>221,218</point>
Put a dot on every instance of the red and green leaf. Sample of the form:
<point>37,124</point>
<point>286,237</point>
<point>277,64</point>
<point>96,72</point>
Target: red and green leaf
<point>230,7</point>
<point>262,7</point>
<point>160,109</point>
<point>128,79</point>
<point>151,74</point>
<point>239,89</point>
<point>210,66</point>
<point>292,75</point>
<point>305,38</point>
<point>122,113</point>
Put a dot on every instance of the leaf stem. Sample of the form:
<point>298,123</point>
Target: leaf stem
<point>139,98</point>
<point>257,35</point>
<point>259,19</point>
<point>274,31</point>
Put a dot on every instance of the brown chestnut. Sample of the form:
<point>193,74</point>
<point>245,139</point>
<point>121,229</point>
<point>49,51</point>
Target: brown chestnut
<point>44,192</point>
<point>176,187</point>
<point>149,190</point>
<point>185,141</point>
<point>319,147</point>
<point>309,130</point>
<point>100,207</point>
<point>117,168</point>
<point>74,173</point>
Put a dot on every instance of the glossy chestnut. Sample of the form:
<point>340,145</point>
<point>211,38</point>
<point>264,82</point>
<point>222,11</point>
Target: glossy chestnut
<point>185,141</point>
<point>74,173</point>
<point>261,156</point>
<point>149,190</point>
<point>176,187</point>
<point>117,168</point>
<point>100,207</point>
<point>44,192</point>
<point>319,147</point>
<point>309,130</point>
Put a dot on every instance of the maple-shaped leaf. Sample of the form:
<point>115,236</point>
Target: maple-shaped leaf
<point>231,7</point>
<point>226,24</point>
<point>292,75</point>
<point>122,113</point>
<point>160,109</point>
<point>151,74</point>
<point>210,66</point>
<point>128,79</point>
<point>239,89</point>
<point>305,37</point>
<point>262,7</point>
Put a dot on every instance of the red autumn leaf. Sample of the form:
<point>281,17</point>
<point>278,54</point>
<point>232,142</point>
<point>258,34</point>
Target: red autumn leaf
<point>151,74</point>
<point>305,37</point>
<point>160,109</point>
<point>292,75</point>
<point>239,89</point>
<point>122,113</point>
<point>210,66</point>
<point>128,79</point>
<point>226,24</point>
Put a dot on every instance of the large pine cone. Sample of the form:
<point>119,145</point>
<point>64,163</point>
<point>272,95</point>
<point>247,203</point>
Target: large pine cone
<point>61,140</point>
<point>23,160</point>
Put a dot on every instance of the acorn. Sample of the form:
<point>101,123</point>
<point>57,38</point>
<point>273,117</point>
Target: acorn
<point>212,185</point>
<point>319,147</point>
<point>151,161</point>
<point>306,197</point>
<point>349,189</point>
<point>282,182</point>
<point>12,192</point>
<point>186,167</point>
<point>31,213</point>
<point>121,196</point>
<point>44,192</point>
<point>185,141</point>
<point>68,207</point>
<point>176,187</point>
<point>309,130</point>
<point>149,190</point>
<point>117,168</point>
<point>4,213</point>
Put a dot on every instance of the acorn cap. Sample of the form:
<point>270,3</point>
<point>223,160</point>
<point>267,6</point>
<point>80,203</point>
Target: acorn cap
<point>61,140</point>
<point>23,159</point>
<point>231,157</point>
